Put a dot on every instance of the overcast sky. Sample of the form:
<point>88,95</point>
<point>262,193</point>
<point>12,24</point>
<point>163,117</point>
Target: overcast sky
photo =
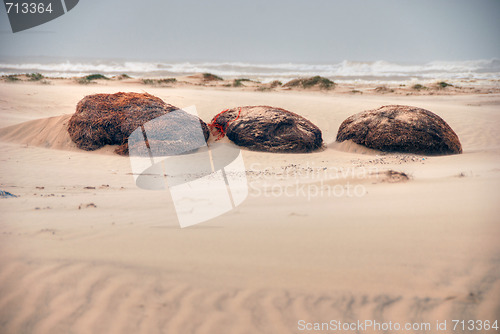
<point>313,31</point>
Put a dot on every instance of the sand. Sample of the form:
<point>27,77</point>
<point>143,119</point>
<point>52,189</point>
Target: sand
<point>83,250</point>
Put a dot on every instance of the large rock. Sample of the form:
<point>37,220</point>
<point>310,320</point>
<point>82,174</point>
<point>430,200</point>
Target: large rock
<point>397,128</point>
<point>264,128</point>
<point>109,119</point>
<point>174,133</point>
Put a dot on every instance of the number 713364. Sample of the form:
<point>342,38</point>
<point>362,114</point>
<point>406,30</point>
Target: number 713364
<point>28,7</point>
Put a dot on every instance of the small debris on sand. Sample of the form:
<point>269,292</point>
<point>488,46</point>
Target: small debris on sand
<point>85,206</point>
<point>6,194</point>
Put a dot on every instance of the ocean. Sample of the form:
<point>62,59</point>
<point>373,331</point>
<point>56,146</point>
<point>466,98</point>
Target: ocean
<point>344,71</point>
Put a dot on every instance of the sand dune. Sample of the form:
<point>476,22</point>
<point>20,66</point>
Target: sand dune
<point>49,132</point>
<point>83,250</point>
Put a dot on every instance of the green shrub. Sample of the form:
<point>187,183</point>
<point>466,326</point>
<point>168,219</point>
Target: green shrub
<point>238,82</point>
<point>84,81</point>
<point>263,89</point>
<point>294,83</point>
<point>149,82</point>
<point>418,87</point>
<point>167,80</point>
<point>156,82</point>
<point>211,77</point>
<point>122,76</point>
<point>96,77</point>
<point>35,76</point>
<point>11,78</point>
<point>443,84</point>
<point>321,82</point>
<point>275,83</point>
<point>384,89</point>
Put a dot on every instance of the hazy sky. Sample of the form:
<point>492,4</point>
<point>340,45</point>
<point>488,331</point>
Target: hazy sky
<point>265,31</point>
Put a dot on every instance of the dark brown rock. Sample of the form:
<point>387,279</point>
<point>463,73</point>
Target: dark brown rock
<point>269,129</point>
<point>397,128</point>
<point>177,132</point>
<point>109,119</point>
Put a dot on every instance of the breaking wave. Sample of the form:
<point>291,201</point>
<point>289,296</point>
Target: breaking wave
<point>342,71</point>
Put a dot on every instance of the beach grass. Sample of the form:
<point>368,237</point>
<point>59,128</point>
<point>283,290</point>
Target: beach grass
<point>35,76</point>
<point>275,83</point>
<point>11,78</point>
<point>443,84</point>
<point>123,76</point>
<point>96,76</point>
<point>418,87</point>
<point>158,82</point>
<point>321,82</point>
<point>211,77</point>
<point>84,81</point>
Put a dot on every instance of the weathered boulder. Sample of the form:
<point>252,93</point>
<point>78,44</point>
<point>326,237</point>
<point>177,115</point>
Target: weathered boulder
<point>269,129</point>
<point>109,119</point>
<point>398,128</point>
<point>174,133</point>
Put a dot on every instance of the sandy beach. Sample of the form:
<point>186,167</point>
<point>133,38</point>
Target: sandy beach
<point>344,233</point>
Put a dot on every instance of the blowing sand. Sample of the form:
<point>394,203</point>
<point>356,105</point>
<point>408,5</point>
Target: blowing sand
<point>83,250</point>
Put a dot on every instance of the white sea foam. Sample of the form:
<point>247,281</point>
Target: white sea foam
<point>342,71</point>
